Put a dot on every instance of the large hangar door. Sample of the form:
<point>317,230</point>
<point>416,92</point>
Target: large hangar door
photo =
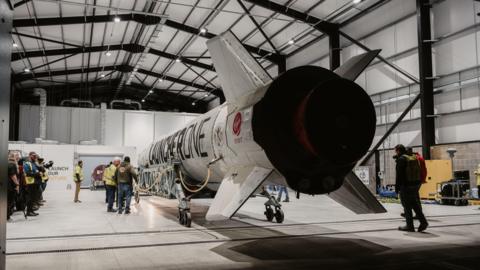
<point>90,162</point>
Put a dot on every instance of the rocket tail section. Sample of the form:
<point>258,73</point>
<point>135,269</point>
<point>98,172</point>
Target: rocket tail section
<point>239,73</point>
<point>237,186</point>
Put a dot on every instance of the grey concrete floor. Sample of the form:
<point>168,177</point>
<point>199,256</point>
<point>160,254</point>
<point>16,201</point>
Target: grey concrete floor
<point>317,233</point>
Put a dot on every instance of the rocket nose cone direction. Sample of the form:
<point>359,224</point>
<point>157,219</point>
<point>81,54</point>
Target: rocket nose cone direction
<point>336,119</point>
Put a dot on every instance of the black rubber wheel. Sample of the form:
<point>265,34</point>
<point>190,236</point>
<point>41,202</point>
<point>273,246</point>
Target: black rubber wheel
<point>269,213</point>
<point>188,219</point>
<point>458,202</point>
<point>279,216</point>
<point>181,217</point>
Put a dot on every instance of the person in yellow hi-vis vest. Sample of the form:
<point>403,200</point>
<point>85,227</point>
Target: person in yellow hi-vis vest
<point>78,178</point>
<point>32,180</point>
<point>110,183</point>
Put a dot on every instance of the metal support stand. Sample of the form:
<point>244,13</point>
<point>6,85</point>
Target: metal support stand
<point>184,215</point>
<point>273,208</point>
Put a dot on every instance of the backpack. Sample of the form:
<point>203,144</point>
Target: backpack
<point>413,170</point>
<point>423,168</point>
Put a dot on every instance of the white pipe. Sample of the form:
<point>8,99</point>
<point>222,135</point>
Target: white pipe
<point>43,111</point>
<point>103,117</point>
<point>77,101</point>
<point>127,102</point>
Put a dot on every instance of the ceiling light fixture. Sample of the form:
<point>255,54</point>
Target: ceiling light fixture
<point>357,1</point>
<point>102,75</point>
<point>203,30</point>
<point>15,45</point>
<point>27,70</point>
<point>116,19</point>
<point>143,100</point>
<point>178,60</point>
<point>193,103</point>
<point>291,42</point>
<point>150,92</point>
<point>108,53</point>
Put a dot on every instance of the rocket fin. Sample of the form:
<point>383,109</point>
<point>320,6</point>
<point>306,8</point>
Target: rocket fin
<point>239,73</point>
<point>237,186</point>
<point>356,65</point>
<point>355,196</point>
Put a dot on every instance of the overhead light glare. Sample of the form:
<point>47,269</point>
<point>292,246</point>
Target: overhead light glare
<point>193,103</point>
<point>15,45</point>
<point>150,92</point>
<point>291,42</point>
<point>27,70</point>
<point>116,19</point>
<point>178,60</point>
<point>108,53</point>
<point>357,1</point>
<point>143,100</point>
<point>203,30</point>
<point>102,75</point>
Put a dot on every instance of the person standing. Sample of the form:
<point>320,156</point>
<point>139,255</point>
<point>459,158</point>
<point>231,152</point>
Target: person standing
<point>124,176</point>
<point>110,183</point>
<point>408,181</point>
<point>13,184</point>
<point>283,189</point>
<point>32,174</point>
<point>477,174</point>
<point>78,178</point>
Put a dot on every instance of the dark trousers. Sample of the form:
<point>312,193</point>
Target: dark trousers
<point>124,196</point>
<point>111,190</point>
<point>11,199</point>
<point>411,201</point>
<point>31,196</point>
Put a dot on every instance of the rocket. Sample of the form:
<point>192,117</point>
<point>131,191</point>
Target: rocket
<point>307,129</point>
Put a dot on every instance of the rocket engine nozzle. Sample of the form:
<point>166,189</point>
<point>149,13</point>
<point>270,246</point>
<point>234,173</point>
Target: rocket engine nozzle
<point>314,126</point>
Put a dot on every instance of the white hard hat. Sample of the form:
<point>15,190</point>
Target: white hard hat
<point>117,159</point>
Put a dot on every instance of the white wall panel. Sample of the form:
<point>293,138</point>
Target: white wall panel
<point>28,128</point>
<point>384,40</point>
<point>459,127</point>
<point>455,54</point>
<point>167,123</point>
<point>138,129</point>
<point>406,34</point>
<point>471,97</point>
<point>85,125</point>
<point>452,15</point>
<point>114,128</point>
<point>379,78</point>
<point>58,117</point>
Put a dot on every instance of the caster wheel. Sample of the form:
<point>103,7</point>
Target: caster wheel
<point>185,218</point>
<point>279,216</point>
<point>269,213</point>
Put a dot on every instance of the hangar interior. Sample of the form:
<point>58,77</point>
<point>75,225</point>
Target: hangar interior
<point>93,80</point>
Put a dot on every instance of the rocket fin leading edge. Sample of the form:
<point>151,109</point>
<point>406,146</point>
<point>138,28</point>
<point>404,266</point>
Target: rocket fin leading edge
<point>354,195</point>
<point>239,73</point>
<point>354,66</point>
<point>237,186</point>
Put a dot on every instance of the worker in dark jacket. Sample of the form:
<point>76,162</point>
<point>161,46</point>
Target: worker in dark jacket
<point>13,184</point>
<point>408,181</point>
<point>124,176</point>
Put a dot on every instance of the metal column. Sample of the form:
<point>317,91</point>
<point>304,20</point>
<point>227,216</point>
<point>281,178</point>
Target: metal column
<point>6,16</point>
<point>334,49</point>
<point>426,76</point>
<point>282,64</point>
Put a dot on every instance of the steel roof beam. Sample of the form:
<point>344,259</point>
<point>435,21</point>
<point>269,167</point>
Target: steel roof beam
<point>121,68</point>
<point>133,48</point>
<point>144,19</point>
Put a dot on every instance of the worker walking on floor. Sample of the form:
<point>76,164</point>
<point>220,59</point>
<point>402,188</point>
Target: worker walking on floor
<point>124,176</point>
<point>78,178</point>
<point>32,178</point>
<point>408,181</point>
<point>110,183</point>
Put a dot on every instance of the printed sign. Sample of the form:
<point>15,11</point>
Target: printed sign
<point>363,172</point>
